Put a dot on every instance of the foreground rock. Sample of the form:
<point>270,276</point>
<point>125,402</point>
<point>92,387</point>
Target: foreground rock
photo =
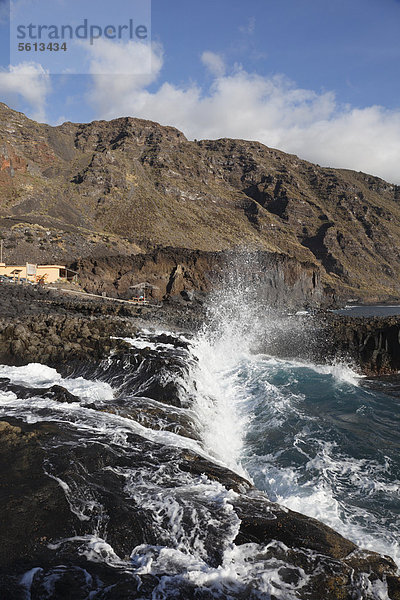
<point>38,516</point>
<point>33,505</point>
<point>337,568</point>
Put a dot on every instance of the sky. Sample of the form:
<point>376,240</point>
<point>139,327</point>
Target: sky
<point>316,78</point>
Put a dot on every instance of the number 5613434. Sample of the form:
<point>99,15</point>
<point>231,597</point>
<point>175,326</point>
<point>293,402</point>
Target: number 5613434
<point>41,47</point>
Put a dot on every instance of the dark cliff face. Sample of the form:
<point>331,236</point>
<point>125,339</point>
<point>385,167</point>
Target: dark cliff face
<point>129,185</point>
<point>278,279</point>
<point>371,343</point>
<point>371,346</point>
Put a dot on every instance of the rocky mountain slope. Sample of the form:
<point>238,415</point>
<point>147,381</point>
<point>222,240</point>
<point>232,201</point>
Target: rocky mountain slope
<point>129,186</point>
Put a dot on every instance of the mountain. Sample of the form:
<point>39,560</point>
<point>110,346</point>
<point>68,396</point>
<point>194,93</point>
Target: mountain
<point>130,186</point>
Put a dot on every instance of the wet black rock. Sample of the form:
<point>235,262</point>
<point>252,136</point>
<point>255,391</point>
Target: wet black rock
<point>154,414</point>
<point>335,565</point>
<point>264,522</point>
<point>371,343</point>
<point>54,392</point>
<point>196,465</point>
<point>43,536</point>
<point>33,505</point>
<point>60,394</point>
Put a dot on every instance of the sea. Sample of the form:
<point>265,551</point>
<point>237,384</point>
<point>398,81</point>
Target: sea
<point>374,310</point>
<point>317,438</point>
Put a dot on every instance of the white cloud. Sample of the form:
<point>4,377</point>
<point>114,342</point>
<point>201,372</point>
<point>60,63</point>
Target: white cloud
<point>112,95</point>
<point>130,58</point>
<point>214,63</point>
<point>29,81</point>
<point>271,110</point>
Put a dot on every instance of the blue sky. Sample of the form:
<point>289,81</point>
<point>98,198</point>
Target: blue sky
<point>349,46</point>
<point>316,77</point>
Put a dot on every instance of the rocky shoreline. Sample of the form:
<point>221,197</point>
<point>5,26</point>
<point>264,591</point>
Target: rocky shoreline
<point>74,335</point>
<point>37,515</point>
<point>52,327</point>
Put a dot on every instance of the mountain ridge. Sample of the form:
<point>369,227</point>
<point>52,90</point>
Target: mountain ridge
<point>128,186</point>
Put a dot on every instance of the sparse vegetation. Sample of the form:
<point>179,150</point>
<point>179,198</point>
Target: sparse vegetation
<point>158,189</point>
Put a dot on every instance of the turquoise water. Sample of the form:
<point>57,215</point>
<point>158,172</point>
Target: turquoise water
<point>318,439</point>
<point>321,441</point>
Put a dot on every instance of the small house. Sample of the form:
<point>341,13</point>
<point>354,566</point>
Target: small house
<point>33,273</point>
